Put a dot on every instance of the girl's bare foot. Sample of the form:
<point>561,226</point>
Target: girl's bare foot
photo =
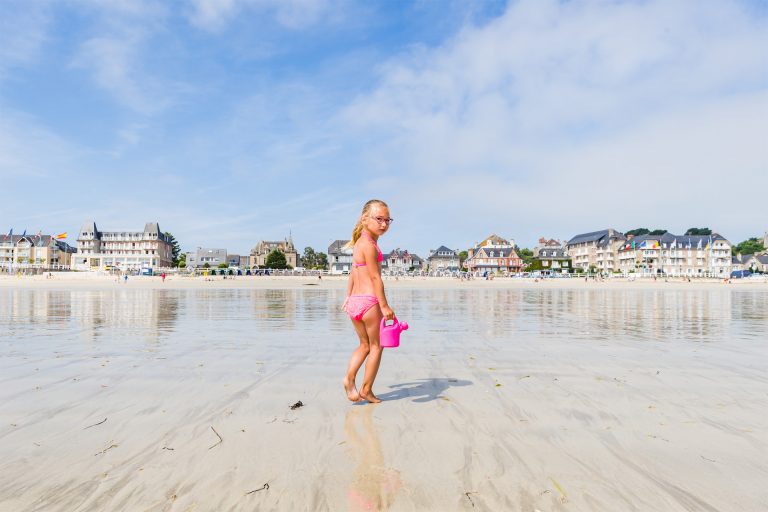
<point>351,389</point>
<point>369,396</point>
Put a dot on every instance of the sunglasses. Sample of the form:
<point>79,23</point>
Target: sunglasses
<point>383,220</point>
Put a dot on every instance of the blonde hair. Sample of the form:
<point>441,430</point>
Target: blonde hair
<point>358,231</point>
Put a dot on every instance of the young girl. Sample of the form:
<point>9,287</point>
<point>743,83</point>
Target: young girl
<point>366,303</point>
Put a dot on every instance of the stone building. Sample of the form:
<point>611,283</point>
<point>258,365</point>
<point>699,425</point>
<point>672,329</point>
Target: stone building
<point>444,258</point>
<point>122,250</point>
<point>259,253</point>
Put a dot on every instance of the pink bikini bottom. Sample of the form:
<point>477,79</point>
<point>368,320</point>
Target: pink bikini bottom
<point>358,305</point>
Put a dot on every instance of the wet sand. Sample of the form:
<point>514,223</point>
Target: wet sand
<point>505,395</point>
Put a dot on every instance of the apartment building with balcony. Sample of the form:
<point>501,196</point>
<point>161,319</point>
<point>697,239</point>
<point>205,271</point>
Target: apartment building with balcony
<point>597,250</point>
<point>43,252</point>
<point>676,255</point>
<point>122,250</point>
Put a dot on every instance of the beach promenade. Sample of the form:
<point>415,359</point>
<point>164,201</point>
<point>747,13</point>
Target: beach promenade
<point>507,394</point>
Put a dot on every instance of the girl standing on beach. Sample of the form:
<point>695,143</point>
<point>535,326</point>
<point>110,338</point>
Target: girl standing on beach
<point>366,303</point>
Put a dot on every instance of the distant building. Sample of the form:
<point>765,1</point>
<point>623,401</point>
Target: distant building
<point>339,258</point>
<point>204,257</point>
<point>123,250</point>
<point>755,262</point>
<point>260,252</point>
<point>597,249</point>
<point>444,258</point>
<point>676,255</point>
<point>34,251</point>
<point>551,255</point>
<point>494,254</point>
<point>400,260</point>
<point>235,260</point>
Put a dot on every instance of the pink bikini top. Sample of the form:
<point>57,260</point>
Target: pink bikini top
<point>380,257</point>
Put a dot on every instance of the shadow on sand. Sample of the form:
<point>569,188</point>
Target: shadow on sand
<point>422,390</point>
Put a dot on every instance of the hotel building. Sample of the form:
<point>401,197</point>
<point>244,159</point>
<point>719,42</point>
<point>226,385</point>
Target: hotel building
<point>597,249</point>
<point>122,250</point>
<point>676,255</point>
<point>35,251</point>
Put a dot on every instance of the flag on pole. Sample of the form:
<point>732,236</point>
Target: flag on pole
<point>61,236</point>
<point>24,234</point>
<point>9,235</point>
<point>698,245</point>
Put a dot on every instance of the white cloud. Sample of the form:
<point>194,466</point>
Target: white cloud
<point>215,15</point>
<point>23,27</point>
<point>555,117</point>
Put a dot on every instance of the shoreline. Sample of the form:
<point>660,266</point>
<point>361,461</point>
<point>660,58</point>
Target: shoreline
<point>96,282</point>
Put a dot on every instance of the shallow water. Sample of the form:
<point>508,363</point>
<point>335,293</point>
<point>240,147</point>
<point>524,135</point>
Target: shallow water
<point>234,317</point>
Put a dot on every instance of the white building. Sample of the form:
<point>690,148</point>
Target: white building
<point>339,257</point>
<point>122,250</point>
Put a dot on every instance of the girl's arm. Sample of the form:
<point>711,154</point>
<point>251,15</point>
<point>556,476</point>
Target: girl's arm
<point>371,256</point>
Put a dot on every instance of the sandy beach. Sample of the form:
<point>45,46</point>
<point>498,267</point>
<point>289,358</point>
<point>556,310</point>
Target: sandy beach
<point>504,395</point>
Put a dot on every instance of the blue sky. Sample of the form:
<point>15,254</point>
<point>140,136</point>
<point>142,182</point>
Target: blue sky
<point>232,121</point>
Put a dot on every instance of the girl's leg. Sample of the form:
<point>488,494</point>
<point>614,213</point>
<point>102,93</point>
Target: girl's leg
<point>372,320</point>
<point>356,361</point>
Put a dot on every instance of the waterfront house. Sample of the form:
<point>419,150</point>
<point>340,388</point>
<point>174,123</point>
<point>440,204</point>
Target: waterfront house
<point>259,253</point>
<point>123,250</point>
<point>40,251</point>
<point>205,257</point>
<point>401,260</point>
<point>443,259</point>
<point>339,257</point>
<point>494,254</point>
<point>551,255</point>
<point>755,262</point>
<point>235,260</point>
<point>597,250</point>
<point>676,255</point>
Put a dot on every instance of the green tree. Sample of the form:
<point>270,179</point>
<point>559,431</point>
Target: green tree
<point>175,249</point>
<point>224,264</point>
<point>182,260</point>
<point>638,232</point>
<point>183,264</point>
<point>309,259</point>
<point>321,261</point>
<point>698,232</point>
<point>463,255</point>
<point>206,265</point>
<point>276,259</point>
<point>526,255</point>
<point>750,246</point>
<point>657,232</point>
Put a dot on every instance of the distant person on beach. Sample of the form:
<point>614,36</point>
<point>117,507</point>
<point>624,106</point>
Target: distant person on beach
<point>366,303</point>
<point>163,276</point>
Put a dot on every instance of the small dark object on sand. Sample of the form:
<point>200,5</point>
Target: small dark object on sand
<point>297,405</point>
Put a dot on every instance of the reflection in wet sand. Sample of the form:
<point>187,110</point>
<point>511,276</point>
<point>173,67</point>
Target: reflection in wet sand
<point>374,485</point>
